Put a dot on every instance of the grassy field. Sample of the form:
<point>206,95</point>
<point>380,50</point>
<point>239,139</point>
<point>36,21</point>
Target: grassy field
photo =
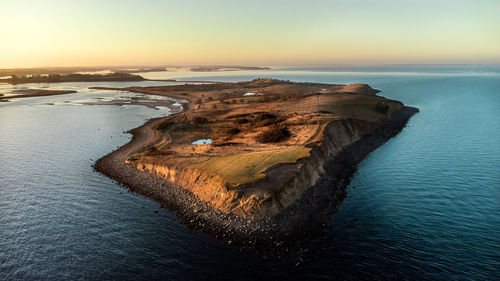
<point>247,167</point>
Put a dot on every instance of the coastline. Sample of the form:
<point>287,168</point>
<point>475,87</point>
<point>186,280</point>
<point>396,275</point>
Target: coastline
<point>31,93</point>
<point>304,218</point>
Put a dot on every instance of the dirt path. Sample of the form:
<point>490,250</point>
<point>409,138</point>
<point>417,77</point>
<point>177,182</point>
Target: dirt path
<point>319,130</point>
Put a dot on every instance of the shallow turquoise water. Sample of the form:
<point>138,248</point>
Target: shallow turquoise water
<point>424,205</point>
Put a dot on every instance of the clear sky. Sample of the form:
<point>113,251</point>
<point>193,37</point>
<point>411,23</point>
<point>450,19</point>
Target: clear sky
<point>248,32</point>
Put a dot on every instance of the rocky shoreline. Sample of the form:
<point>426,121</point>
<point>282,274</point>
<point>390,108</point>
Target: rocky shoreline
<point>299,221</point>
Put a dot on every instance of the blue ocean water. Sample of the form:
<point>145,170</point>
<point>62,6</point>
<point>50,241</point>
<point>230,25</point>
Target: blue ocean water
<point>424,205</point>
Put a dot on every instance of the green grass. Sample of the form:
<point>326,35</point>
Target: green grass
<point>248,167</point>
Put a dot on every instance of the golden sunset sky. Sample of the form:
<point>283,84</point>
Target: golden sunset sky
<point>131,32</point>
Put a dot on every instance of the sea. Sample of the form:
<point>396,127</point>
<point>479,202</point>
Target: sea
<point>424,206</point>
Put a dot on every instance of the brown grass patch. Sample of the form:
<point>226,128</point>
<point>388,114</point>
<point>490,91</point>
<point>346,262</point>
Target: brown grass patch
<point>276,133</point>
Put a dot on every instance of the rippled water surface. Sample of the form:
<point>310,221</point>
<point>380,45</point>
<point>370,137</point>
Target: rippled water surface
<point>424,205</point>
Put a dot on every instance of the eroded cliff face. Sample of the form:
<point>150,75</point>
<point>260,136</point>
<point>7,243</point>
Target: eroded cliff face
<point>283,184</point>
<point>337,135</point>
<point>209,188</point>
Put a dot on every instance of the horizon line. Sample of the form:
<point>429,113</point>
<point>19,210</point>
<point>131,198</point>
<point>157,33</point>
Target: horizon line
<point>257,65</point>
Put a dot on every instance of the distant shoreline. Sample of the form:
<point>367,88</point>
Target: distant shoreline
<point>95,74</point>
<point>74,77</point>
<point>226,68</point>
<point>35,93</point>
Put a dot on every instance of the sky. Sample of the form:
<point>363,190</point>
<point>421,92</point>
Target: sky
<point>38,33</point>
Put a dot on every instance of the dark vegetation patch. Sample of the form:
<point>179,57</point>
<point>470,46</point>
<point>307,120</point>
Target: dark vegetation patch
<point>241,121</point>
<point>264,116</point>
<point>258,119</point>
<point>266,119</point>
<point>268,98</point>
<point>200,120</point>
<point>276,133</point>
<point>239,115</point>
<point>324,111</point>
<point>382,107</point>
<point>183,126</point>
<point>233,131</point>
<point>165,125</point>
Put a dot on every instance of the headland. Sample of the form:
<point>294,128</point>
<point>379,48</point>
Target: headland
<point>29,93</point>
<point>258,163</point>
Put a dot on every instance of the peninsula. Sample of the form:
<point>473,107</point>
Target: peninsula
<point>258,162</point>
<point>73,77</point>
<point>29,93</point>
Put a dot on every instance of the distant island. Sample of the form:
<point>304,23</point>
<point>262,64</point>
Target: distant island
<point>139,70</point>
<point>5,72</point>
<point>255,163</point>
<point>29,93</point>
<point>226,68</point>
<point>73,77</point>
